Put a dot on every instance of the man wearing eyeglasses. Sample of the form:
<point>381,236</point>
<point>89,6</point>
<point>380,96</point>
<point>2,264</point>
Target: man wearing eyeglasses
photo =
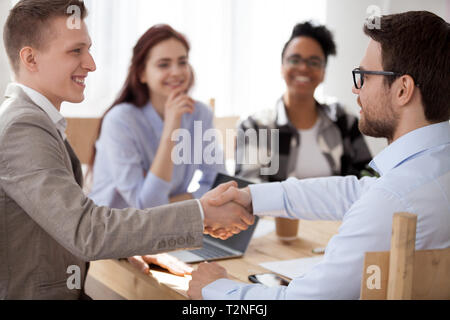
<point>403,89</point>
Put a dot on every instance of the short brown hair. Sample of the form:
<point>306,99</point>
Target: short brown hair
<point>28,21</point>
<point>417,43</point>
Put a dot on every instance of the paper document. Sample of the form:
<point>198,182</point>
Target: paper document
<point>292,268</point>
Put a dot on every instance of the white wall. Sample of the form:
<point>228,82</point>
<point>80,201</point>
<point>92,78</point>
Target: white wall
<point>346,18</point>
<point>4,65</point>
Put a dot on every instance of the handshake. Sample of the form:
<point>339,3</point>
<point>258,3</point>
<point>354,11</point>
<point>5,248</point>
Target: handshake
<point>228,210</point>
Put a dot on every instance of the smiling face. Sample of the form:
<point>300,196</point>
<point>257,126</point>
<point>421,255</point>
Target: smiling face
<point>167,69</point>
<point>63,64</point>
<point>378,117</point>
<point>300,78</point>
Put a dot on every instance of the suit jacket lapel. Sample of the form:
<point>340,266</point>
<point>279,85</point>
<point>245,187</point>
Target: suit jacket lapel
<point>15,91</point>
<point>76,165</point>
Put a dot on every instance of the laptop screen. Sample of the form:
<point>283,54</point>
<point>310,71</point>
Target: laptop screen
<point>239,241</point>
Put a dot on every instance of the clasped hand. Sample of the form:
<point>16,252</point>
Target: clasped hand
<point>228,210</point>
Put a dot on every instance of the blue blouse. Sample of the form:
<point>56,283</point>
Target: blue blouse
<point>126,148</point>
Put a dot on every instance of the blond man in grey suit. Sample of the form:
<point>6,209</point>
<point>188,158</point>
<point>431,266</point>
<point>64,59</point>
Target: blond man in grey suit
<point>48,227</point>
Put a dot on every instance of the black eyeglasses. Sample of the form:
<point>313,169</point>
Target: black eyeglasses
<point>358,76</point>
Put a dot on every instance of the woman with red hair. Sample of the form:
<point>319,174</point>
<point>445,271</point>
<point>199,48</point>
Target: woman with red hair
<point>135,163</point>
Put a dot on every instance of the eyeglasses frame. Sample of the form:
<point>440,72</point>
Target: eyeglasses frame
<point>380,73</point>
<point>307,62</point>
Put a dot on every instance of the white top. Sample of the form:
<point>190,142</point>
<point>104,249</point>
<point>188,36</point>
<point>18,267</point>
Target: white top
<point>40,100</point>
<point>311,162</point>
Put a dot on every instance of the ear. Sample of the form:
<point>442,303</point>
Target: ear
<point>28,58</point>
<point>404,89</point>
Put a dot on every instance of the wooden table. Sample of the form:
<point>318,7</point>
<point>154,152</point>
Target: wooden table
<point>129,283</point>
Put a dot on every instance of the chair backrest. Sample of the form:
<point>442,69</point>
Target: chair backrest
<point>404,273</point>
<point>228,130</point>
<point>82,134</point>
<point>227,127</point>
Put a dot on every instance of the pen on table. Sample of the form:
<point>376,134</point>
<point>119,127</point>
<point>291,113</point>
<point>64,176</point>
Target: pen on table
<point>318,250</point>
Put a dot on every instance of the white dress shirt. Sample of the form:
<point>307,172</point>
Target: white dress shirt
<point>415,178</point>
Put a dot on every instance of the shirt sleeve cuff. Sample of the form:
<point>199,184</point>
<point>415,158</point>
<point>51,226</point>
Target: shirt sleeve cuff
<point>263,204</point>
<point>222,289</point>
<point>201,209</point>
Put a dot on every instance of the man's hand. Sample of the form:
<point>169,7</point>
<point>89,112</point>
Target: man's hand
<point>166,261</point>
<point>240,196</point>
<point>228,218</point>
<point>204,275</point>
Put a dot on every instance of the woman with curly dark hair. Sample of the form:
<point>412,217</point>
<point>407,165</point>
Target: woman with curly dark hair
<point>315,140</point>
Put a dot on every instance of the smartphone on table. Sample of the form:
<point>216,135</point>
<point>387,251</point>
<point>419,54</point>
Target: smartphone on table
<point>268,279</point>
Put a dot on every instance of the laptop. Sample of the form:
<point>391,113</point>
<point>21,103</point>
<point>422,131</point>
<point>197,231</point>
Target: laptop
<point>216,249</point>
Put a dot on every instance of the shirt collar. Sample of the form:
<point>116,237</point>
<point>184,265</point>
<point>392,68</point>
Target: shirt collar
<point>41,101</point>
<point>282,118</point>
<point>411,144</point>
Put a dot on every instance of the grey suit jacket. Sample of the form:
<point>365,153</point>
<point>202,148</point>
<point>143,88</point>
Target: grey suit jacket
<point>48,225</point>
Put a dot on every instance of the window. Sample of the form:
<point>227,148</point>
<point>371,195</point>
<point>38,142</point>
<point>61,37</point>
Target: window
<point>235,47</point>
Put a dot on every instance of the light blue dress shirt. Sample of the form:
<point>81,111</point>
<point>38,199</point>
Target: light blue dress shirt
<point>125,151</point>
<point>415,178</point>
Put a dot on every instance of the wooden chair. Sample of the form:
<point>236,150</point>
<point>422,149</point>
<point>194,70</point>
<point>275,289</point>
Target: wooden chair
<point>227,127</point>
<point>404,273</point>
<point>82,133</point>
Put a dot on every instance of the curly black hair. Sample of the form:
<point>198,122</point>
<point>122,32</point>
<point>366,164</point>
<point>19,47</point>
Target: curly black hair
<point>319,33</point>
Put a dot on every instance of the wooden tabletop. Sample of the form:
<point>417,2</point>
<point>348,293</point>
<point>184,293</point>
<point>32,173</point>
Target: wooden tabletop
<point>126,281</point>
